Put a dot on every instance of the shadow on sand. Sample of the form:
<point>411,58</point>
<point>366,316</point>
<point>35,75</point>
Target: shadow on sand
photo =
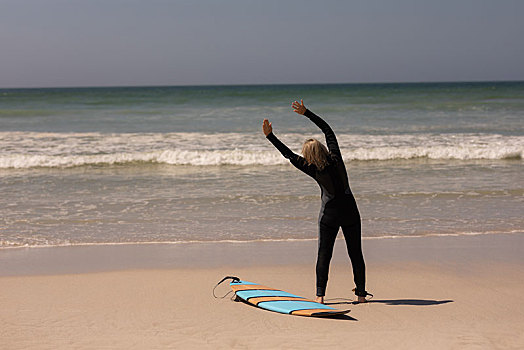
<point>412,302</point>
<point>395,302</point>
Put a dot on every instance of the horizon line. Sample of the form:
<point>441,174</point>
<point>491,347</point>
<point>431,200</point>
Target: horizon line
<point>260,84</point>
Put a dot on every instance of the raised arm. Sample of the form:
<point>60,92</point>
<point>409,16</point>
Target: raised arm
<point>298,161</point>
<point>268,131</point>
<point>331,139</point>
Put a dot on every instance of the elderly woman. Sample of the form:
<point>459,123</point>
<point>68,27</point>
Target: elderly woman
<point>338,208</point>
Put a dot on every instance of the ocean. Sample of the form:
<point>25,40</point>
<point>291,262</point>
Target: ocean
<point>140,165</point>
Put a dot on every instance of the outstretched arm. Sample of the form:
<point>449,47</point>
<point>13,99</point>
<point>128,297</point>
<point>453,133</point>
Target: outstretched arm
<point>331,139</point>
<point>298,161</point>
<point>267,128</point>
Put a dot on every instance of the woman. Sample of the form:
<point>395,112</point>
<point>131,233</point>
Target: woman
<point>338,209</point>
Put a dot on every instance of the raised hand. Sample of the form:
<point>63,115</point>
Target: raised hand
<point>299,107</point>
<point>266,127</point>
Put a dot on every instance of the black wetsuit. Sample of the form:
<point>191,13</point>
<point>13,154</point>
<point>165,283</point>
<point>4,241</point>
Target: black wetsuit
<point>339,208</point>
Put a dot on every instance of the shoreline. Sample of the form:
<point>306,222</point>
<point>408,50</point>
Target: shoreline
<point>437,250</point>
<point>255,241</point>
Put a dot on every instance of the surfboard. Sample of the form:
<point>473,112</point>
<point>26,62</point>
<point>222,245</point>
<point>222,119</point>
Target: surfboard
<point>280,301</point>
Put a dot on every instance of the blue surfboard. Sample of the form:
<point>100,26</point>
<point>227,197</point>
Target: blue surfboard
<point>281,301</point>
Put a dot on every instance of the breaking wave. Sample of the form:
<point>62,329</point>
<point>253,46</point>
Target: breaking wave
<point>28,150</point>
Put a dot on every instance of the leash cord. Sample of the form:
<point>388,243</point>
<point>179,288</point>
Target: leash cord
<point>233,278</point>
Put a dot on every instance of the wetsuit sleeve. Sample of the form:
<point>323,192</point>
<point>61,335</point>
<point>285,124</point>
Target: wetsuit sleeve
<point>331,139</point>
<point>298,161</point>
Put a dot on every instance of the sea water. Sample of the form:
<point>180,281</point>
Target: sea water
<point>191,164</point>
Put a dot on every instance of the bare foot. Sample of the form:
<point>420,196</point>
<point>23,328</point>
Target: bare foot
<point>362,300</point>
<point>320,300</point>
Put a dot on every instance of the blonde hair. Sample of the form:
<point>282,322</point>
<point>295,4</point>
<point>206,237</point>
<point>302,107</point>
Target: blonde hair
<point>315,153</point>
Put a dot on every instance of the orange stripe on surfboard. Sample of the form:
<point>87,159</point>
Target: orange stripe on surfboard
<point>319,312</point>
<point>256,301</point>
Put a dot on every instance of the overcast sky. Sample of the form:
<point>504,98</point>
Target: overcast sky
<point>151,42</point>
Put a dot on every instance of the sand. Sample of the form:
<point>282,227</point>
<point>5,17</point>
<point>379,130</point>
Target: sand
<point>430,293</point>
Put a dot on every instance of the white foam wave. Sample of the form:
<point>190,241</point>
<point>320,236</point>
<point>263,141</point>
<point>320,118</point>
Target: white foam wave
<point>460,152</point>
<point>182,157</point>
<point>18,245</point>
<point>28,150</point>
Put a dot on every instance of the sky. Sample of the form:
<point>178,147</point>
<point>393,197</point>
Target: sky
<point>55,43</point>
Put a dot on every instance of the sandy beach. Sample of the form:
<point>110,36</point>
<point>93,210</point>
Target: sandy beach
<point>147,151</point>
<point>431,293</point>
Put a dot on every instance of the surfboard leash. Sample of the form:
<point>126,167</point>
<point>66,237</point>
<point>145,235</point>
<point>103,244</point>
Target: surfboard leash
<point>233,278</point>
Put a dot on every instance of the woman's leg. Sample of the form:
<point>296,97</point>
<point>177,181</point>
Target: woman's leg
<point>326,242</point>
<point>352,235</point>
